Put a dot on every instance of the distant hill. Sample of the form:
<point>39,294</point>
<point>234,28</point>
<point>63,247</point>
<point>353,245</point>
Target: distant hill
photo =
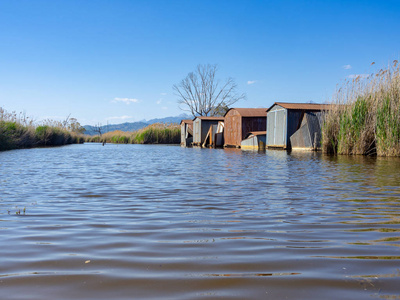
<point>133,126</point>
<point>177,119</point>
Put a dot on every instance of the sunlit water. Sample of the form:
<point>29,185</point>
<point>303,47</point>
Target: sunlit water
<point>165,222</point>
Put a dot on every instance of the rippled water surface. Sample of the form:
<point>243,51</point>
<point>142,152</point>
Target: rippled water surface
<point>165,222</point>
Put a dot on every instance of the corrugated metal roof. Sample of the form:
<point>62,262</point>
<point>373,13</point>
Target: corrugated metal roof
<point>187,121</point>
<point>210,118</point>
<point>302,106</point>
<point>256,133</point>
<point>250,112</point>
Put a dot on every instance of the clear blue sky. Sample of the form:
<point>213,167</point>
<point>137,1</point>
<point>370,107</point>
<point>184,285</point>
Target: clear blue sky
<point>116,61</point>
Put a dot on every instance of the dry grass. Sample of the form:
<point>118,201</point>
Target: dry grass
<point>158,133</point>
<point>365,116</point>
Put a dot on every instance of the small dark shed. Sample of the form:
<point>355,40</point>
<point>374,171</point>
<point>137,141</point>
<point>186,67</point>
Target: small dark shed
<point>201,126</point>
<point>240,121</point>
<point>284,119</point>
<point>186,132</point>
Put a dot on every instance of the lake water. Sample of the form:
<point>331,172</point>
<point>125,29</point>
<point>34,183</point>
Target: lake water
<point>165,222</point>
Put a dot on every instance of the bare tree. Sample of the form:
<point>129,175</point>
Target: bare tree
<point>98,128</point>
<point>202,94</point>
<point>66,122</point>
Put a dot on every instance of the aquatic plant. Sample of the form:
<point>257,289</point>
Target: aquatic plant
<point>18,211</point>
<point>365,116</point>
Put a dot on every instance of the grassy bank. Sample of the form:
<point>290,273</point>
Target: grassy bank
<point>153,134</point>
<point>18,132</point>
<point>365,116</point>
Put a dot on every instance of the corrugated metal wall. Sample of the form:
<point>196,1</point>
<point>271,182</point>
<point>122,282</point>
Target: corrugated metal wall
<point>183,134</point>
<point>315,122</point>
<point>270,128</point>
<point>301,138</point>
<point>254,142</point>
<point>197,131</point>
<point>276,129</point>
<point>232,128</point>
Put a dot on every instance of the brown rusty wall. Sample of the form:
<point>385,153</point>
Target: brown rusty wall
<point>250,124</point>
<point>232,128</point>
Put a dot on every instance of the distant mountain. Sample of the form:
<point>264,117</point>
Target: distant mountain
<point>133,126</point>
<point>177,119</point>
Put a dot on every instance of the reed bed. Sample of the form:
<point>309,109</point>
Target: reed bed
<point>364,118</point>
<point>17,131</point>
<point>158,133</point>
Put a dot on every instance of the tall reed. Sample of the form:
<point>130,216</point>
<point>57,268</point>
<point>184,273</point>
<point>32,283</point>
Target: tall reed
<point>365,116</point>
<point>158,133</point>
<point>18,131</point>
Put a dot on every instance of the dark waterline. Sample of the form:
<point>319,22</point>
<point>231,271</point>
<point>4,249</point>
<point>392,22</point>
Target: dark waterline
<point>152,222</point>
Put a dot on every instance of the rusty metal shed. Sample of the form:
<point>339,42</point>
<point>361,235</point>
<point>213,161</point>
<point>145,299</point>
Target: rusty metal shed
<point>254,141</point>
<point>201,126</point>
<point>284,119</point>
<point>186,132</point>
<point>240,121</point>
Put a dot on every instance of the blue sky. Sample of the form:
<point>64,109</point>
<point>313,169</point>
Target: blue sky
<point>116,61</point>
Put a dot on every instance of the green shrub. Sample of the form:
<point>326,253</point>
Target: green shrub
<point>123,140</point>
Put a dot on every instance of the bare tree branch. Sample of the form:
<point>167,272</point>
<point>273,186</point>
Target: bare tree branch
<point>98,128</point>
<point>202,94</point>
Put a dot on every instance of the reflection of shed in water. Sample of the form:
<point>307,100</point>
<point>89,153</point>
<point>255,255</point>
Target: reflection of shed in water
<point>201,127</point>
<point>285,119</point>
<point>254,141</point>
<point>240,121</point>
<point>186,132</point>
